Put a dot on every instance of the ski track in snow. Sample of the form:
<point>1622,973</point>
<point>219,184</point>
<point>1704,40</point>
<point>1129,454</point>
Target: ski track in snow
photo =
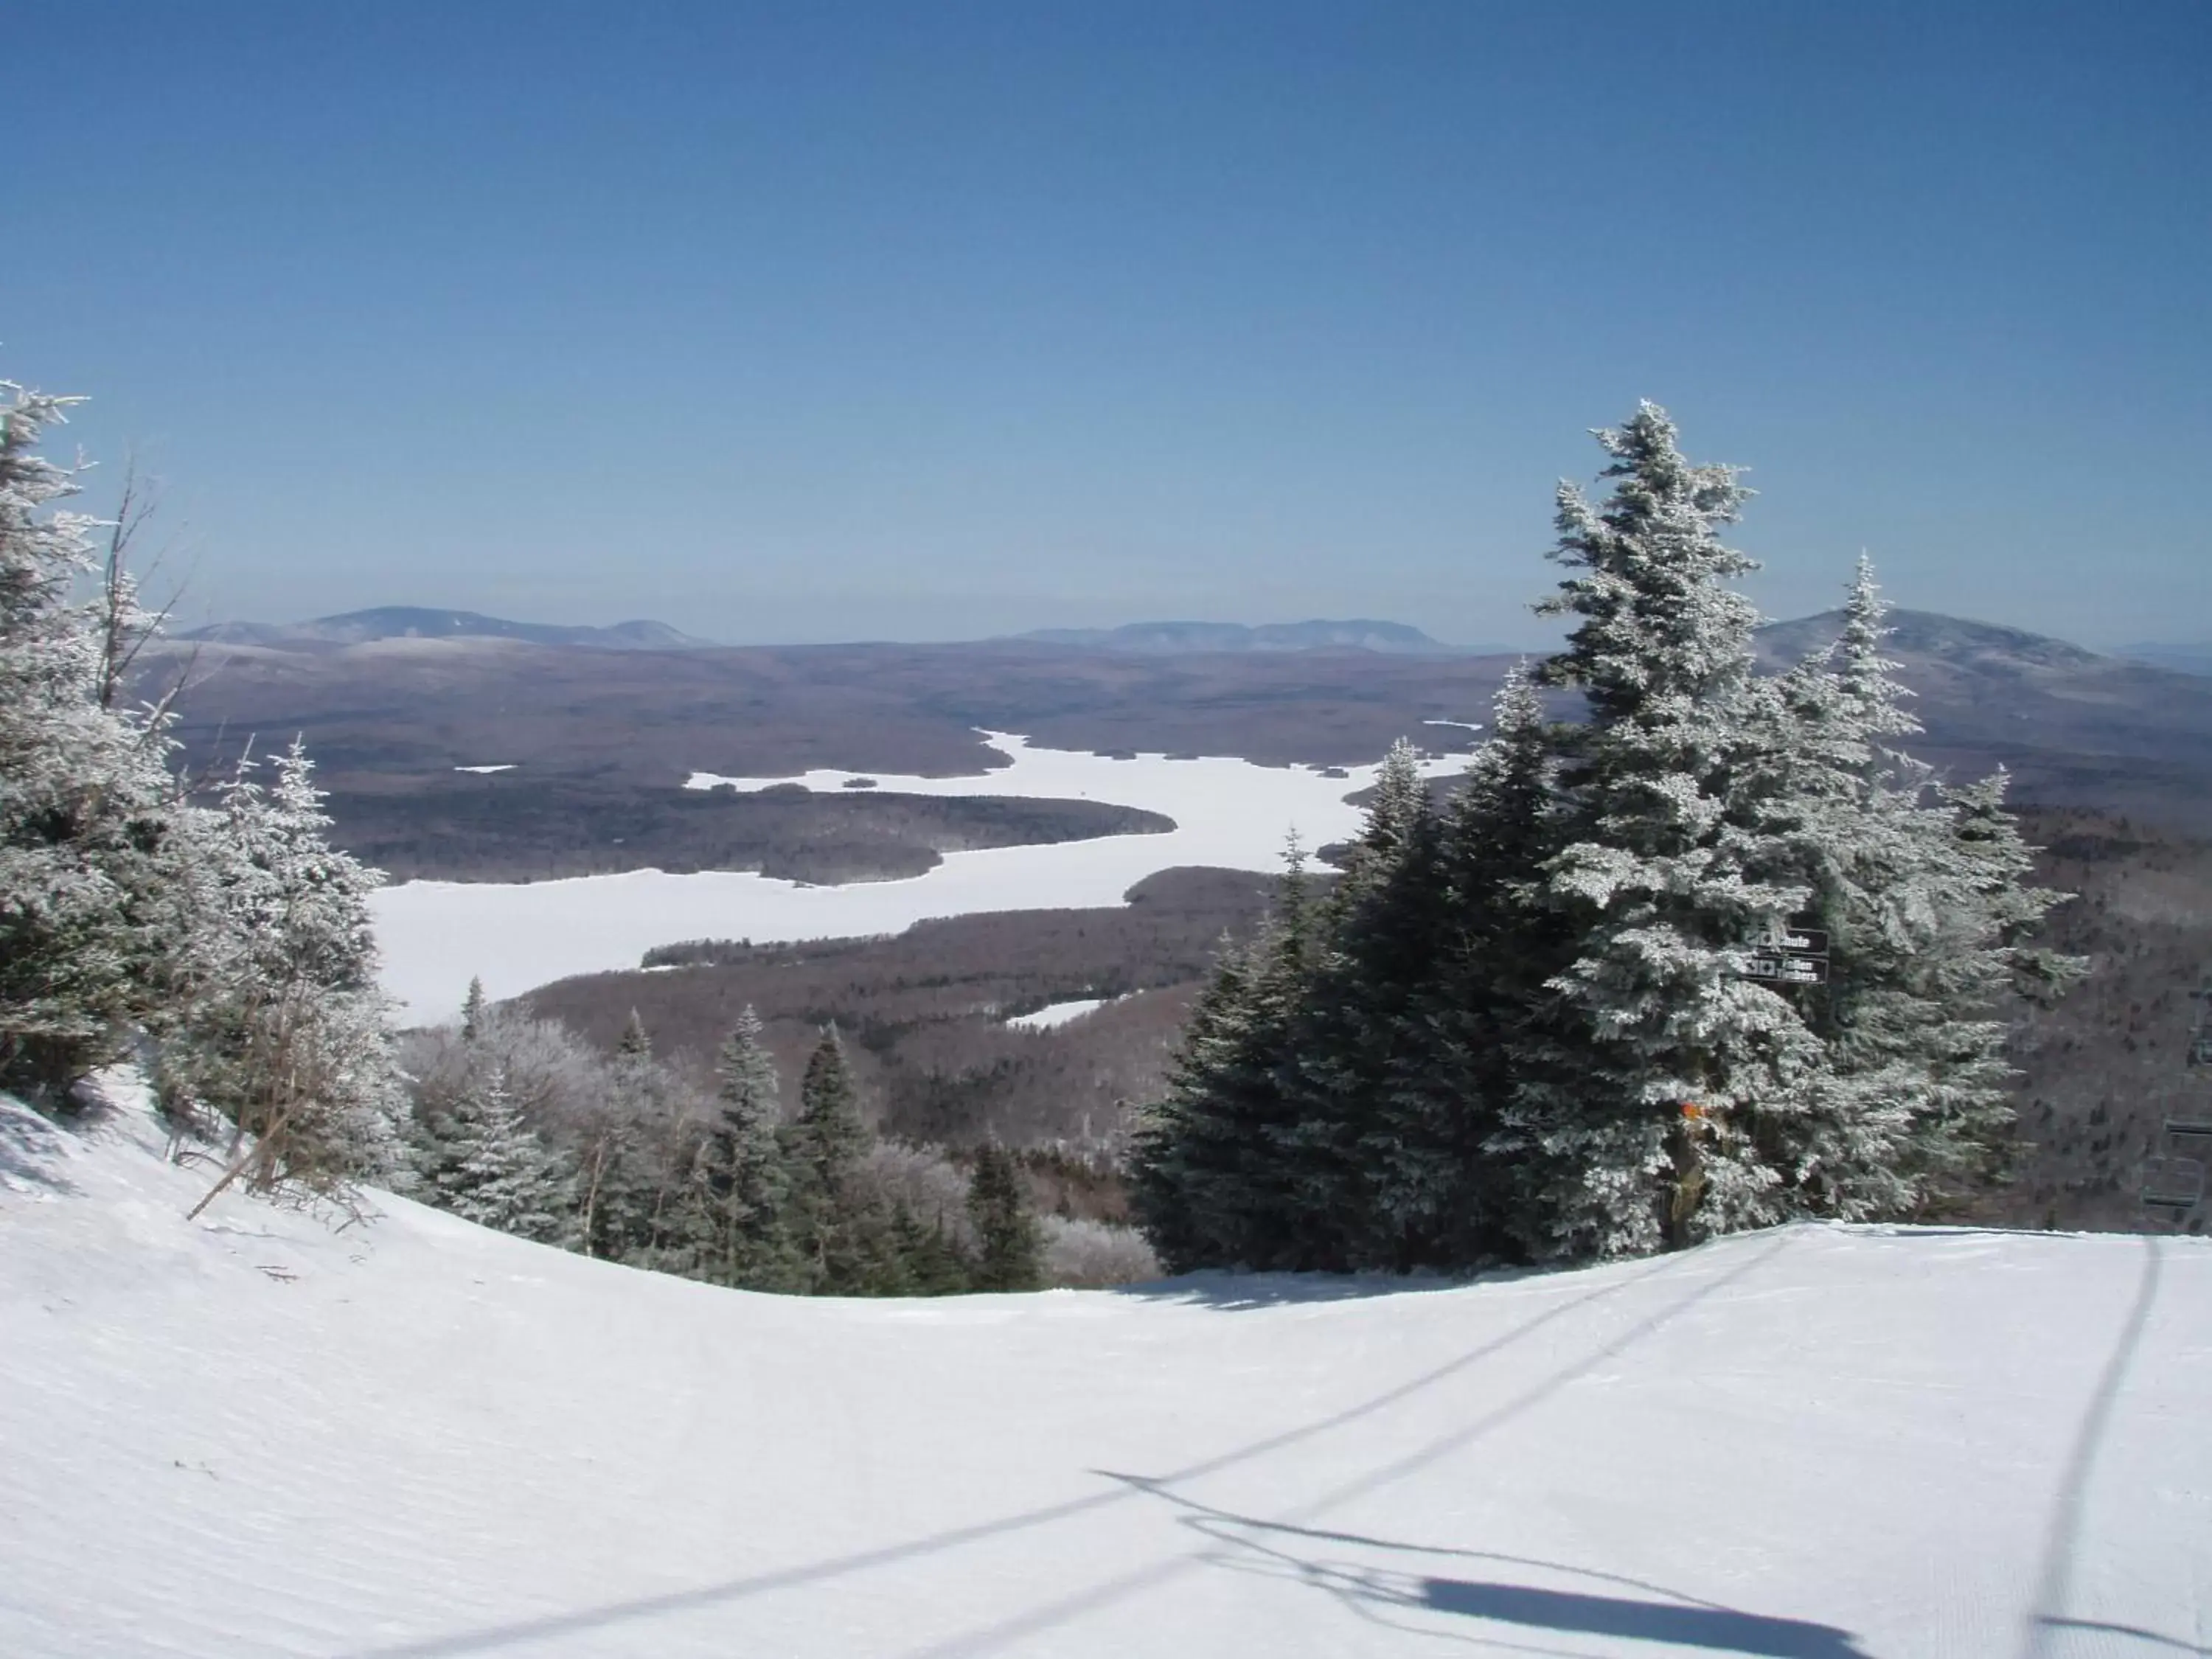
<point>435,935</point>
<point>255,1435</point>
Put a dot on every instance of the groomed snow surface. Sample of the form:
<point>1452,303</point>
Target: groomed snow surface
<point>1228,813</point>
<point>255,1435</point>
<point>1055,1014</point>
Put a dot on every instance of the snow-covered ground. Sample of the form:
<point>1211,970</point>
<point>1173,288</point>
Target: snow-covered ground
<point>1054,1014</point>
<point>418,1440</point>
<point>1231,813</point>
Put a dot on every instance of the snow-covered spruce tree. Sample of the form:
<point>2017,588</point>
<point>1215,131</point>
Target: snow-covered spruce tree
<point>1921,892</point>
<point>636,1166</point>
<point>283,1030</point>
<point>1653,1076</point>
<point>482,1160</point>
<point>1983,959</point>
<point>473,1011</point>
<point>1855,821</point>
<point>741,1190</point>
<point>92,931</point>
<point>1211,1180</point>
<point>1009,1248</point>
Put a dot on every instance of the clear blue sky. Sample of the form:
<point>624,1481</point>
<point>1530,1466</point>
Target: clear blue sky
<point>816,321</point>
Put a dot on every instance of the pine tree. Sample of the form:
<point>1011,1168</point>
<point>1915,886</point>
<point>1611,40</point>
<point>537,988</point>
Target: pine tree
<point>486,1164</point>
<point>931,1259</point>
<point>1442,1197</point>
<point>285,1031</point>
<point>1923,894</point>
<point>1009,1254</point>
<point>640,1168</point>
<point>1355,1031</point>
<point>822,1147</point>
<point>1857,830</point>
<point>1983,961</point>
<point>472,1011</point>
<point>93,932</point>
<point>743,1189</point>
<point>1653,1071</point>
<point>1212,1173</point>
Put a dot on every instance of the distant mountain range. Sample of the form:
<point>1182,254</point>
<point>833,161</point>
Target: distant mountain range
<point>407,622</point>
<point>1982,647</point>
<point>1164,639</point>
<point>2181,659</point>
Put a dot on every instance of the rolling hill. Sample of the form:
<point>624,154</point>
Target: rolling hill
<point>405,622</point>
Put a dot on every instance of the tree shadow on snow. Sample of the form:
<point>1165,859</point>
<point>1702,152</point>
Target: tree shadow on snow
<point>1238,1293</point>
<point>1282,1550</point>
<point>1721,1629</point>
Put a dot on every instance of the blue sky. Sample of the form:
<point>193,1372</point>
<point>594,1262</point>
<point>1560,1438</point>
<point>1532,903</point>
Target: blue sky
<point>821,321</point>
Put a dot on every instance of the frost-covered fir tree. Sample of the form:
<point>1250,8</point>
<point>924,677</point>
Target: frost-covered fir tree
<point>1924,893</point>
<point>92,928</point>
<point>1653,1076</point>
<point>473,1012</point>
<point>636,1165</point>
<point>1852,819</point>
<point>285,1032</point>
<point>1009,1248</point>
<point>1212,1177</point>
<point>482,1160</point>
<point>742,1191</point>
<point>1984,961</point>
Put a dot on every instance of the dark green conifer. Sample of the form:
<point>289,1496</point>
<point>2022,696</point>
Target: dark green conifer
<point>1008,1249</point>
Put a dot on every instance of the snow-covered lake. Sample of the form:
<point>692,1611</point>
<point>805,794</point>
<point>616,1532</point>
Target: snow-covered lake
<point>1228,812</point>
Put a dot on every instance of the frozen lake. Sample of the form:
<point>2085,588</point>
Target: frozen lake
<point>1228,812</point>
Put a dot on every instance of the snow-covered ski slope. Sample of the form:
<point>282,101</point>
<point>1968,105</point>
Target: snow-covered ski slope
<point>419,1440</point>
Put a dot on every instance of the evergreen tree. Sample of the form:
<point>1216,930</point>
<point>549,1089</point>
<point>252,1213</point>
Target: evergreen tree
<point>1356,1036</point>
<point>284,1031</point>
<point>1442,1197</point>
<point>1009,1248</point>
<point>1654,1075</point>
<point>931,1259</point>
<point>93,931</point>
<point>486,1164</point>
<point>472,1011</point>
<point>1212,1162</point>
<point>742,1187</point>
<point>1988,914</point>
<point>823,1147</point>
<point>1924,896</point>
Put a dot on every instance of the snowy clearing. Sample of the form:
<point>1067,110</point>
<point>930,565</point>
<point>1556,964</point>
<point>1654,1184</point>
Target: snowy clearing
<point>255,1437</point>
<point>1058,1013</point>
<point>1230,813</point>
